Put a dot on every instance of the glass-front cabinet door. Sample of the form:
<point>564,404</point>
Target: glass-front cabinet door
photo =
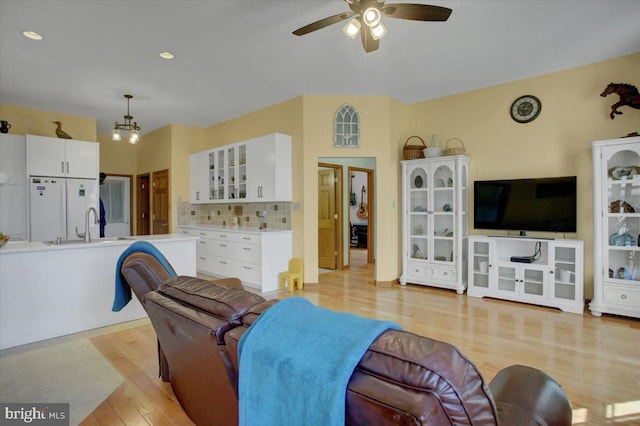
<point>444,207</point>
<point>419,212</point>
<point>217,166</point>
<point>622,213</point>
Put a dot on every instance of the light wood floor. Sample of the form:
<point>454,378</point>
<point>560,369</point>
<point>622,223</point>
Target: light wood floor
<point>596,360</point>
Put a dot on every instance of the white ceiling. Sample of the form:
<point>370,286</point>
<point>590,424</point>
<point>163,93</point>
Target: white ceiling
<point>237,56</point>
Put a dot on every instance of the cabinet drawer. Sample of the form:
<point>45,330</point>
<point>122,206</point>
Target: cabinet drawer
<point>234,237</point>
<point>248,272</point>
<point>223,267</point>
<point>205,246</point>
<point>247,253</point>
<point>432,272</point>
<point>204,262</point>
<point>622,296</point>
<point>235,251</point>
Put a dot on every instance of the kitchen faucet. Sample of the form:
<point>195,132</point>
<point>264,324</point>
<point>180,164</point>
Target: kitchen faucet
<point>87,232</point>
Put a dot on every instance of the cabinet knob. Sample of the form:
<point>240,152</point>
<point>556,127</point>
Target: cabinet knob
<point>623,296</point>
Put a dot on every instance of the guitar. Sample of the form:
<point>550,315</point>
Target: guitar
<point>362,212</point>
<point>352,195</point>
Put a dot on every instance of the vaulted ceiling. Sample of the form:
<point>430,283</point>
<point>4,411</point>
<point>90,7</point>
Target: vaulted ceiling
<point>237,56</point>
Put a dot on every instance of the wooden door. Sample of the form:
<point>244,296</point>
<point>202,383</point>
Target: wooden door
<point>143,205</point>
<point>160,200</point>
<point>327,218</point>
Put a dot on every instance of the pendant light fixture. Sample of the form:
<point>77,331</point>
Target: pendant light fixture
<point>134,129</point>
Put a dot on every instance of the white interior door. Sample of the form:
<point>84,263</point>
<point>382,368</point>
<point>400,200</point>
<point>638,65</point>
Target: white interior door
<point>115,194</point>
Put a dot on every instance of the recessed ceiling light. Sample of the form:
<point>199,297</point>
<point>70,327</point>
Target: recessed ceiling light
<point>32,35</point>
<point>166,55</point>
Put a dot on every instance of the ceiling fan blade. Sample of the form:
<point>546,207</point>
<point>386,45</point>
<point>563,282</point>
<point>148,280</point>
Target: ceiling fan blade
<point>417,12</point>
<point>323,23</point>
<point>368,42</point>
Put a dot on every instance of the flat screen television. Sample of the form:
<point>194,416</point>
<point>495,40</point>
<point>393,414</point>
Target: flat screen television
<point>542,204</point>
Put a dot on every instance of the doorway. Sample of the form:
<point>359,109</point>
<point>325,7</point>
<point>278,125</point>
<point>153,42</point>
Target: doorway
<point>361,229</point>
<point>330,247</point>
<point>160,202</point>
<point>115,193</point>
<point>143,210</point>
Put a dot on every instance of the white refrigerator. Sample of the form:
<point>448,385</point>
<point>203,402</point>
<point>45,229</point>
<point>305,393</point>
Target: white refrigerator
<point>58,206</point>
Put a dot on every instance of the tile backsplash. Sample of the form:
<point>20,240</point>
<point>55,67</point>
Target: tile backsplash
<point>250,215</point>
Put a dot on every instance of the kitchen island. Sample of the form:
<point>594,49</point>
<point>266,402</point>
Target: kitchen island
<point>48,291</point>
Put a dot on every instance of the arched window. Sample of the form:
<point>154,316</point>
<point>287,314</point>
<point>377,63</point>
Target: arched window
<point>346,127</point>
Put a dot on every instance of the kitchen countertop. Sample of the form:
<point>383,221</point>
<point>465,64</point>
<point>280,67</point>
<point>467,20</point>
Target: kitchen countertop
<point>235,229</point>
<point>33,246</point>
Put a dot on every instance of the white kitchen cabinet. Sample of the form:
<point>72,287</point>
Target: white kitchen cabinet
<point>616,199</point>
<point>255,257</point>
<point>269,168</point>
<point>62,157</point>
<point>554,278</point>
<point>13,189</point>
<point>199,177</point>
<point>434,222</point>
<point>254,170</point>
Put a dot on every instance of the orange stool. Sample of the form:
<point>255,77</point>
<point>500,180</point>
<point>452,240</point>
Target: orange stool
<point>293,276</point>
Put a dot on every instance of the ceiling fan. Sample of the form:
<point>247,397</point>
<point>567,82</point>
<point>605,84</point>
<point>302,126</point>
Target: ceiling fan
<point>366,19</point>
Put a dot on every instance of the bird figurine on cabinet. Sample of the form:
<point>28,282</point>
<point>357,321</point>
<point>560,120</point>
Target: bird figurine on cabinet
<point>61,133</point>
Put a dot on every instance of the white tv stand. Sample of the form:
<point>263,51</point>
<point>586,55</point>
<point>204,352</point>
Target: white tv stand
<point>555,279</point>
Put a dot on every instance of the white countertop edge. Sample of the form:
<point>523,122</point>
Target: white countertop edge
<point>239,230</point>
<point>35,246</point>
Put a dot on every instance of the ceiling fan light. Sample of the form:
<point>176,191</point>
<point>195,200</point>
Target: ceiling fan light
<point>134,137</point>
<point>371,17</point>
<point>352,28</point>
<point>378,32</point>
<point>115,136</point>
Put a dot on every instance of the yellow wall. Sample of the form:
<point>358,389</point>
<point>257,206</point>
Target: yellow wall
<point>379,138</point>
<point>39,122</point>
<point>184,141</point>
<point>557,143</point>
<point>117,157</point>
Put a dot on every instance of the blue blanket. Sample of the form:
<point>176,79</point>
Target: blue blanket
<point>123,291</point>
<point>296,361</point>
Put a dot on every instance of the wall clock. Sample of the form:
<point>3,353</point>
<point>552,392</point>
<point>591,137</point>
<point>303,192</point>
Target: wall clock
<point>525,109</point>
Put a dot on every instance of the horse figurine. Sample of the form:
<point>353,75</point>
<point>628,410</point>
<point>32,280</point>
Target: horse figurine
<point>628,93</point>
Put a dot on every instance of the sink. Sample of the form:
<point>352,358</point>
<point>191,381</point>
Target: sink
<point>112,239</point>
<point>96,240</point>
<point>63,242</point>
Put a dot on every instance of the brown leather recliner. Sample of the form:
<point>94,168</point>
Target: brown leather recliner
<point>403,378</point>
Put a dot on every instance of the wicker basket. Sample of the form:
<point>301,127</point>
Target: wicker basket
<point>455,150</point>
<point>412,152</point>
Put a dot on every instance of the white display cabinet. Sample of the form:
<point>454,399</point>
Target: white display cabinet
<point>434,222</point>
<point>554,278</point>
<point>616,196</point>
